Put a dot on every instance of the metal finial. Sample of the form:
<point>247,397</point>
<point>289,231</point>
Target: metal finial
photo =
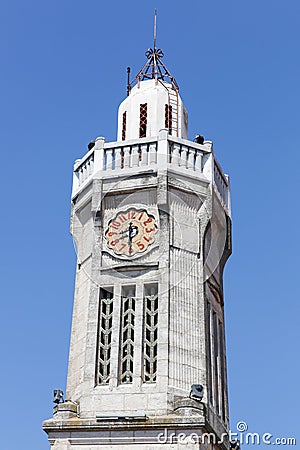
<point>154,34</point>
<point>154,68</point>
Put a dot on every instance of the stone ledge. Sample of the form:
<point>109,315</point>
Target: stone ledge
<point>65,410</point>
<point>188,407</point>
<point>76,423</point>
<point>89,432</point>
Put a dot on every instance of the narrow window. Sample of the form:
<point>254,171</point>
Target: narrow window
<point>124,126</point>
<point>150,332</point>
<point>127,334</point>
<point>209,353</point>
<point>104,336</point>
<point>216,357</point>
<point>168,118</point>
<point>223,374</point>
<point>143,119</point>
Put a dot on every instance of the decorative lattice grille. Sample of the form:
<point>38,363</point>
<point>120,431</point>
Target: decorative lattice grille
<point>124,126</point>
<point>168,118</point>
<point>143,119</point>
<point>127,334</point>
<point>150,333</point>
<point>104,336</point>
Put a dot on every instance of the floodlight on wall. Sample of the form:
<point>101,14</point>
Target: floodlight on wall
<point>58,396</point>
<point>235,445</point>
<point>199,139</point>
<point>91,145</point>
<point>197,392</point>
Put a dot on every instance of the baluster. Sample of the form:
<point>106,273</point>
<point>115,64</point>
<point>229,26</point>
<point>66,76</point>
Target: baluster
<point>126,157</point>
<point>227,197</point>
<point>135,156</point>
<point>190,158</point>
<point>144,161</point>
<point>183,159</point>
<point>175,154</point>
<point>118,158</point>
<point>223,192</point>
<point>109,159</point>
<point>198,161</point>
<point>152,154</point>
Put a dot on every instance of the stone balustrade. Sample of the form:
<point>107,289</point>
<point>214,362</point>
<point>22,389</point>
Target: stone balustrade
<point>86,169</point>
<point>185,156</point>
<point>124,157</point>
<point>221,183</point>
<point>166,151</point>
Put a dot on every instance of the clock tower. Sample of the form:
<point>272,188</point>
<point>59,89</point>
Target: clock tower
<point>151,223</point>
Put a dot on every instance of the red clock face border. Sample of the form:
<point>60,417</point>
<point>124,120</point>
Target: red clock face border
<point>131,232</point>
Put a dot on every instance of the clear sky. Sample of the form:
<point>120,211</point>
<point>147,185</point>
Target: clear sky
<point>63,75</point>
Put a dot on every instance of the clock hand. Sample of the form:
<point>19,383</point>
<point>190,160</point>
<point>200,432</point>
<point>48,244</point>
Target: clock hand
<point>130,237</point>
<point>128,233</point>
<point>132,230</point>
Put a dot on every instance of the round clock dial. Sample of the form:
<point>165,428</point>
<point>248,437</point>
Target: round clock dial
<point>131,232</point>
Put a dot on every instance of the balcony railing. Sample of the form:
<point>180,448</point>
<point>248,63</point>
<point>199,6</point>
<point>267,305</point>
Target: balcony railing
<point>221,184</point>
<point>185,157</point>
<point>170,152</point>
<point>129,156</point>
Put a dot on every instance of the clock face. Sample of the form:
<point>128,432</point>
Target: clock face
<point>131,232</point>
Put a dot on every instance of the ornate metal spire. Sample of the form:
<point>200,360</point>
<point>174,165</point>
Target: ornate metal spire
<point>154,67</point>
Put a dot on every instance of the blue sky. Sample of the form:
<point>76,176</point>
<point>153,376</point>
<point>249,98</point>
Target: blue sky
<point>63,75</point>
